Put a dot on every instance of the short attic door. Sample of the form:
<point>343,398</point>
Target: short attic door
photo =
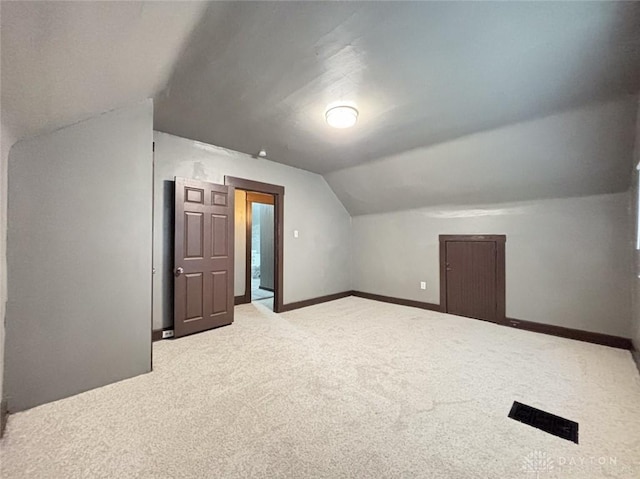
<point>472,276</point>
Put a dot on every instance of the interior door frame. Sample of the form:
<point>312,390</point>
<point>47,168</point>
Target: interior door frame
<point>500,241</point>
<point>278,213</point>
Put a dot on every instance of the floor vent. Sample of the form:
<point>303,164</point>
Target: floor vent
<point>556,425</point>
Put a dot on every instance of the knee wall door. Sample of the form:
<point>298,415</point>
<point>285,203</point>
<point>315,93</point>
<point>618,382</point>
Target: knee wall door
<point>472,276</point>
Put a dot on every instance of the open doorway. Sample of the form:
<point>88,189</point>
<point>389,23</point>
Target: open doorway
<point>258,242</point>
<point>260,247</point>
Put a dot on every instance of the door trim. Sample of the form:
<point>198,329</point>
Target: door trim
<point>278,195</point>
<point>500,241</point>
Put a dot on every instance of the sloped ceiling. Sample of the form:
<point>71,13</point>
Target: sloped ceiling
<point>586,151</point>
<point>65,61</point>
<point>260,75</point>
<point>254,75</point>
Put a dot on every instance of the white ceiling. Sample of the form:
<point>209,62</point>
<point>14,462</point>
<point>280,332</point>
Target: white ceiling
<point>248,76</point>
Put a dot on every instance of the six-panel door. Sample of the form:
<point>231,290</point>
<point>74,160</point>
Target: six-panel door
<point>203,260</point>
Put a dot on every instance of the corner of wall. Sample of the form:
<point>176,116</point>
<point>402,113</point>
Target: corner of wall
<point>107,158</point>
<point>635,185</point>
<point>350,246</point>
<point>7,140</point>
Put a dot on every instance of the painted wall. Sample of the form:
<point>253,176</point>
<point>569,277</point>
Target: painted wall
<point>314,263</point>
<point>79,257</point>
<point>6,141</point>
<point>567,260</point>
<point>634,208</point>
<point>240,239</point>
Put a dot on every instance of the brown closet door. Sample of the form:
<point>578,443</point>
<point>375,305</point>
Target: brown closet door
<point>203,261</point>
<point>471,279</point>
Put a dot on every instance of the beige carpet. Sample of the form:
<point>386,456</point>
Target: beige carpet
<point>352,388</point>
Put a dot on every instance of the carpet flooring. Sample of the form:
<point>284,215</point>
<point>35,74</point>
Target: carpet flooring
<point>348,389</point>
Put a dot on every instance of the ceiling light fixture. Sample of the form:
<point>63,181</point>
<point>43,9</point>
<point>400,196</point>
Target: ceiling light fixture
<point>341,116</point>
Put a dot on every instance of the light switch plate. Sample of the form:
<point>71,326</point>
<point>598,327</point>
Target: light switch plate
<point>295,233</point>
<point>423,285</point>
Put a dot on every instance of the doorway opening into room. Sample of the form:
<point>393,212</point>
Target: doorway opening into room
<point>259,251</point>
<point>260,247</point>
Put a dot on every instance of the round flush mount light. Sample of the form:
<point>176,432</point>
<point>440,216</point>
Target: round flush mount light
<point>341,116</point>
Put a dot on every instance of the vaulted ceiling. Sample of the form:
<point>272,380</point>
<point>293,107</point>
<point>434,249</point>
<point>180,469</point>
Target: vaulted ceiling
<point>259,75</point>
<point>63,62</point>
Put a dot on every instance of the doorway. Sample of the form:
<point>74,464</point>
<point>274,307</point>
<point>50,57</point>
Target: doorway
<point>472,276</point>
<point>260,234</point>
<point>260,247</point>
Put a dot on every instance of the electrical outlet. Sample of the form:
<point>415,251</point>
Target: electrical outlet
<point>423,285</point>
<point>295,233</point>
<point>167,334</point>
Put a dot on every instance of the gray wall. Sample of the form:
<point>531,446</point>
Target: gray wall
<point>635,237</point>
<point>79,257</point>
<point>314,263</point>
<point>6,141</point>
<point>567,260</point>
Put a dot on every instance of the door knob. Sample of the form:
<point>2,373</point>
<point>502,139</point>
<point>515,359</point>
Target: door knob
<point>179,271</point>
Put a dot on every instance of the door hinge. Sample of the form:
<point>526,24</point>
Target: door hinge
<point>153,146</point>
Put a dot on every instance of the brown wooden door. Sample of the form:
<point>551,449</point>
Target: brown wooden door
<point>474,278</point>
<point>203,262</point>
